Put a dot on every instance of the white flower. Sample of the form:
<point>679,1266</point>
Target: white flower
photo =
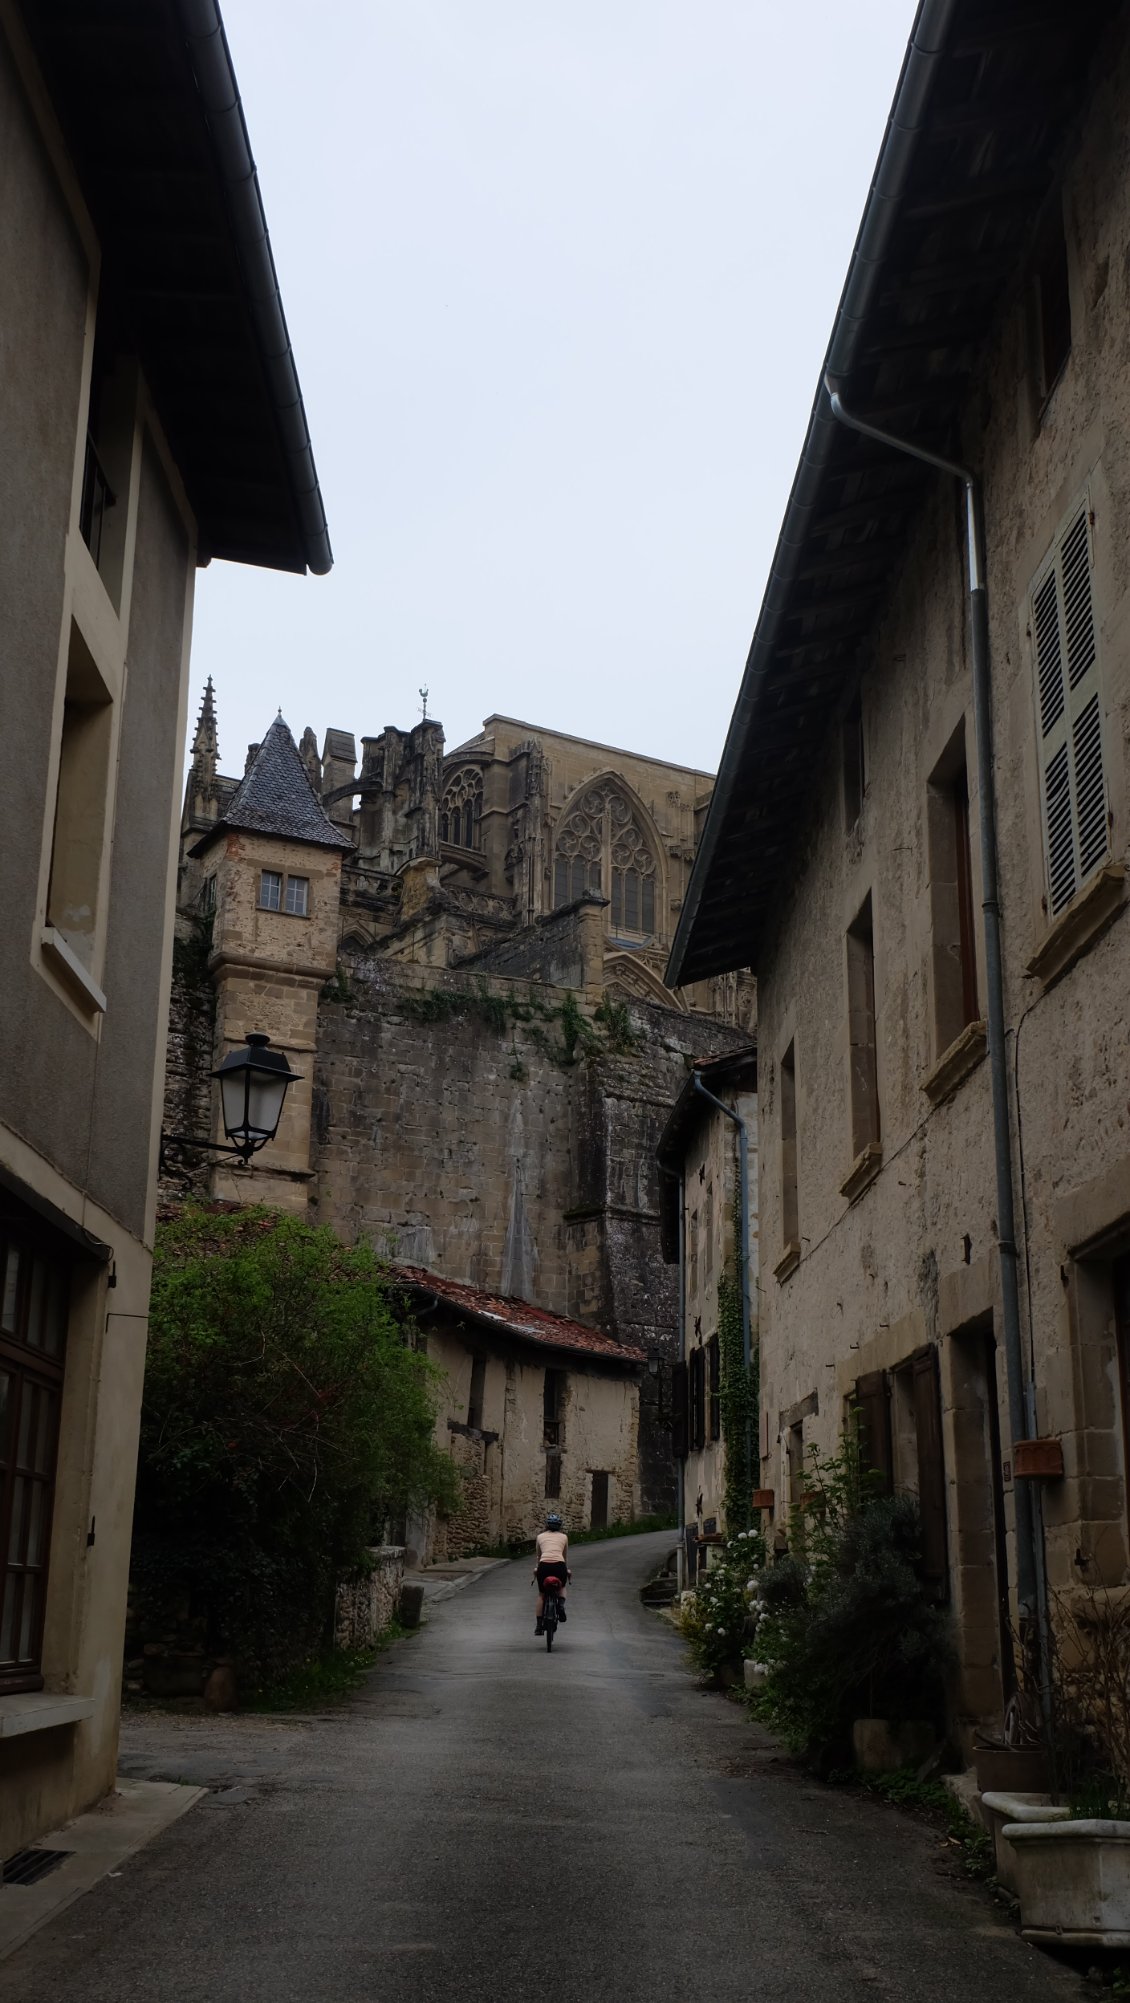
<point>721,1634</point>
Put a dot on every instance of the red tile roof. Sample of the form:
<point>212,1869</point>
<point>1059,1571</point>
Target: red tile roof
<point>517,1318</point>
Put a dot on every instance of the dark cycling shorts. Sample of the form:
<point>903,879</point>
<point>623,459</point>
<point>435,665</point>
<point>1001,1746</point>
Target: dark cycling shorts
<point>550,1568</point>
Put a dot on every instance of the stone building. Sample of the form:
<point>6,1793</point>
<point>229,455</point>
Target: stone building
<point>149,418</point>
<point>707,1159</point>
<point>538,1412</point>
<point>849,844</point>
<point>461,956</point>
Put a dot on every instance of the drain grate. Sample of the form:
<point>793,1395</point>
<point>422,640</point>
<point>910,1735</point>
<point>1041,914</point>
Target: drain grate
<point>27,1867</point>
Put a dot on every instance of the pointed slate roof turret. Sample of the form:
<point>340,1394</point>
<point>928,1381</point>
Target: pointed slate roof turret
<point>275,797</point>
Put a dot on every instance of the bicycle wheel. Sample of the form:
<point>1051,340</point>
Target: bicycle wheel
<point>550,1631</point>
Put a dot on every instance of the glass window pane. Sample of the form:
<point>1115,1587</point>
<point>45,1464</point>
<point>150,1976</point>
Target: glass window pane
<point>578,885</point>
<point>58,1300</point>
<point>47,1405</point>
<point>23,1438</point>
<point>10,1589</point>
<point>37,1521</point>
<point>616,900</point>
<point>649,904</point>
<point>37,1301</point>
<point>11,1289</point>
<point>270,890</point>
<point>19,1510</point>
<point>29,1619</point>
<point>561,881</point>
<point>631,900</point>
<point>296,893</point>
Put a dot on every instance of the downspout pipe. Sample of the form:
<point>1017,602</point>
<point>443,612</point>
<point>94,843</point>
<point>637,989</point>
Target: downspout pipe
<point>681,1502</point>
<point>743,1185</point>
<point>1030,1584</point>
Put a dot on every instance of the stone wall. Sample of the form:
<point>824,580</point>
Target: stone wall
<point>467,1124</point>
<point>188,1063</point>
<point>367,1606</point>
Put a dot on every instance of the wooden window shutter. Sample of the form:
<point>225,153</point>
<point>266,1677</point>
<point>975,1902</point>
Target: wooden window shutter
<point>931,1471</point>
<point>873,1404</point>
<point>698,1399</point>
<point>679,1411</point>
<point>1069,715</point>
<point>715,1387</point>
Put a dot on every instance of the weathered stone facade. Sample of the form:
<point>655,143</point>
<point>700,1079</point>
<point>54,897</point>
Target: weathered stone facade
<point>482,1082</point>
<point>881,1275</point>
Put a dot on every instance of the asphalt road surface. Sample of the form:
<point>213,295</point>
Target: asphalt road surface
<point>488,1823</point>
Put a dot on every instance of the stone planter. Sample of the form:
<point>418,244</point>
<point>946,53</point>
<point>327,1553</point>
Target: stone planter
<point>1073,1882</point>
<point>999,1809</point>
<point>1013,1769</point>
<point>883,1745</point>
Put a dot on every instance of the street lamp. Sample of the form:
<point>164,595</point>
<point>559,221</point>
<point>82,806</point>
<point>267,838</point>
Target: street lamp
<point>253,1085</point>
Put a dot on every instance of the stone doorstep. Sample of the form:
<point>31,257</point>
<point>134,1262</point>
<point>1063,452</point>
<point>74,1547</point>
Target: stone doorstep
<point>100,1840</point>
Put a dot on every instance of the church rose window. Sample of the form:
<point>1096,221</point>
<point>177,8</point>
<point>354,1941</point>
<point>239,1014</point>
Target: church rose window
<point>602,848</point>
<point>461,812</point>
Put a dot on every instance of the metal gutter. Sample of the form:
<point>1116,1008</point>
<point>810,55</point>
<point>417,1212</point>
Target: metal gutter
<point>212,68</point>
<point>932,25</point>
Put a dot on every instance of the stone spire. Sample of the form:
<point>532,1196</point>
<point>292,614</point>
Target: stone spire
<point>205,744</point>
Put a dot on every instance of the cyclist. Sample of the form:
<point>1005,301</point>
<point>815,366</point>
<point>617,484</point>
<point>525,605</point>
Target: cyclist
<point>551,1552</point>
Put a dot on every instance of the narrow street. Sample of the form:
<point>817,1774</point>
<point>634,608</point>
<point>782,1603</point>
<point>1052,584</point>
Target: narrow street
<point>490,1823</point>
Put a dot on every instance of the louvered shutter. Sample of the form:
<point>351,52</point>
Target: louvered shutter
<point>1069,715</point>
<point>873,1405</point>
<point>931,1472</point>
<point>698,1399</point>
<point>679,1411</point>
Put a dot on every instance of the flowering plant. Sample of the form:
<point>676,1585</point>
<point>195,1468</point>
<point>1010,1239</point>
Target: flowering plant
<point>719,1619</point>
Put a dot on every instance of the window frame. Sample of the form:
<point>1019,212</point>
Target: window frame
<point>277,877</point>
<point>288,908</point>
<point>35,1373</point>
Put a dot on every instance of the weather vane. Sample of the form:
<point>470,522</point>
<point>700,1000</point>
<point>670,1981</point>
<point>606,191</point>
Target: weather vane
<point>424,703</point>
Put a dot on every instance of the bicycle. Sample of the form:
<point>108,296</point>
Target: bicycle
<point>550,1614</point>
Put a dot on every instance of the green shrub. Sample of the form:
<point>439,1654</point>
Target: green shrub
<point>845,1625</point>
<point>284,1418</point>
<point>718,1621</point>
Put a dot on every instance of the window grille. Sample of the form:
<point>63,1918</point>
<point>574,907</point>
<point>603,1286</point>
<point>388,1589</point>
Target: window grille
<point>1069,715</point>
<point>297,895</point>
<point>270,890</point>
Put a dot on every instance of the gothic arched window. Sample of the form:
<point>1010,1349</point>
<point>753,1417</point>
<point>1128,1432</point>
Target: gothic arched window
<point>602,847</point>
<point>461,812</point>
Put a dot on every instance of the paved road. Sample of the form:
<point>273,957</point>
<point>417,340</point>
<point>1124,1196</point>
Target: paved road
<point>487,1823</point>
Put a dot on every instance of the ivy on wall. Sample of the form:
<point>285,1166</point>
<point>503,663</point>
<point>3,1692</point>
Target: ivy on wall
<point>738,1387</point>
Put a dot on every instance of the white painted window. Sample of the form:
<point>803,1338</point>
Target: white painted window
<point>297,895</point>
<point>1073,794</point>
<point>270,890</point>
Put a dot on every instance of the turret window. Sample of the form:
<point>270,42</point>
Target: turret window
<point>270,890</point>
<point>297,895</point>
<point>284,893</point>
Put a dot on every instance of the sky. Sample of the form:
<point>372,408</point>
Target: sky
<point>559,282</point>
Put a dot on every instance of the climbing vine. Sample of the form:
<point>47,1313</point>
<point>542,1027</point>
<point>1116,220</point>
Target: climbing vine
<point>738,1391</point>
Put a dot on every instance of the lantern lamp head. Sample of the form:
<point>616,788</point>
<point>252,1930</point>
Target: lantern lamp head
<point>253,1085</point>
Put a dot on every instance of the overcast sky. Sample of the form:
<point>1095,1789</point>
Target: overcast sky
<point>559,282</point>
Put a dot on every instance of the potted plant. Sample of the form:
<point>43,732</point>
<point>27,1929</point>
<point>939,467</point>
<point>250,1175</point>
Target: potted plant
<point>1072,1876</point>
